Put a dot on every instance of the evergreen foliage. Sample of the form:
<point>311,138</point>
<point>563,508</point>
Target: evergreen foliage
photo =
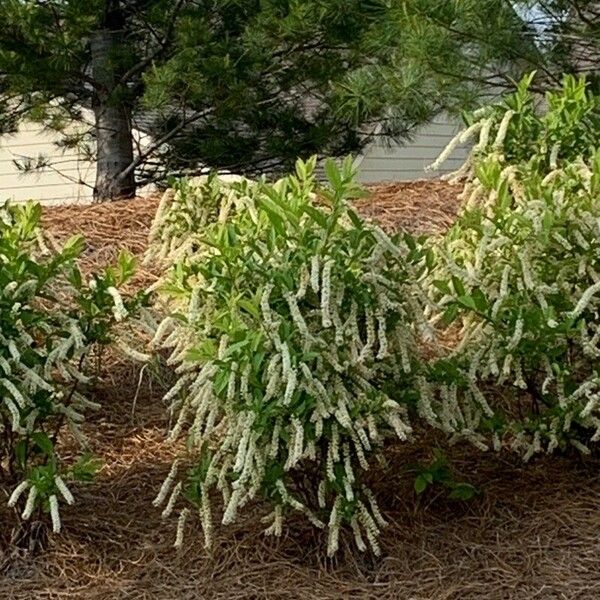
<point>240,85</point>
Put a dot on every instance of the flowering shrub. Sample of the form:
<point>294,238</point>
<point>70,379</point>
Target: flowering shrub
<point>292,331</point>
<point>50,320</point>
<point>521,270</point>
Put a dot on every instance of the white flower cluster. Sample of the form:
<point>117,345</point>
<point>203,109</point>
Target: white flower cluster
<point>288,384</point>
<point>33,495</point>
<point>21,382</point>
<point>23,385</point>
<point>188,207</point>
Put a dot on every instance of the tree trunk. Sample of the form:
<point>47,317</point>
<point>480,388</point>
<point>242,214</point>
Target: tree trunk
<point>112,120</point>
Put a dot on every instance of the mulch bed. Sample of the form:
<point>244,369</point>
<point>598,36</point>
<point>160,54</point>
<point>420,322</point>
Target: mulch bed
<point>418,206</point>
<point>421,207</point>
<point>532,532</point>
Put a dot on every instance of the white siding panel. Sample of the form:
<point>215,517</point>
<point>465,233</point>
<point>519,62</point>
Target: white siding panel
<point>401,162</point>
<point>69,179</point>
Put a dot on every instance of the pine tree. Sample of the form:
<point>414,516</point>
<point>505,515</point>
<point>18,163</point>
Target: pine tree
<point>240,84</point>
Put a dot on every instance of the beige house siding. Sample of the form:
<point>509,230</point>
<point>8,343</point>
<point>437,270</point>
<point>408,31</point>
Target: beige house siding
<point>60,184</point>
<point>51,185</point>
<point>382,162</point>
<point>69,178</point>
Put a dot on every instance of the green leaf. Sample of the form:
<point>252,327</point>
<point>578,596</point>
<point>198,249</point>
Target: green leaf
<point>463,491</point>
<point>301,169</point>
<point>127,264</point>
<point>333,173</point>
<point>430,258</point>
<point>257,341</point>
<point>249,307</point>
<point>73,247</point>
<point>547,221</point>
<point>85,468</point>
<point>458,286</point>
<point>442,286</point>
<point>480,300</point>
<point>467,301</point>
<point>206,351</point>
<point>221,381</point>
<point>420,484</point>
<point>231,350</point>
<point>275,219</point>
<point>75,278</point>
<point>21,453</point>
<point>317,215</point>
<point>257,360</point>
<point>450,314</point>
<point>43,442</point>
<point>355,219</point>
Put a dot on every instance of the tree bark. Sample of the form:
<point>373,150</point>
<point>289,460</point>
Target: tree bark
<point>112,119</point>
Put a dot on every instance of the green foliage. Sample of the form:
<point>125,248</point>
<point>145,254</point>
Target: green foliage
<point>520,270</point>
<point>294,79</point>
<point>438,473</point>
<point>290,318</point>
<point>50,321</point>
<point>245,85</point>
<point>566,129</point>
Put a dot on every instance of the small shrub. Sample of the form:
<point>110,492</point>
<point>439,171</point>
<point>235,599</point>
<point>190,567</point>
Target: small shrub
<point>439,473</point>
<point>292,331</point>
<point>521,271</point>
<point>50,320</point>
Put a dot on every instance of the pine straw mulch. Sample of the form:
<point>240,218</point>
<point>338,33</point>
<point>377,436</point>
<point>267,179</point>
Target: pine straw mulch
<point>108,228</point>
<point>533,532</point>
<point>420,206</point>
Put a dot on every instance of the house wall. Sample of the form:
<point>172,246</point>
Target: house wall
<point>379,162</point>
<point>401,162</point>
<point>70,179</point>
<point>48,186</point>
